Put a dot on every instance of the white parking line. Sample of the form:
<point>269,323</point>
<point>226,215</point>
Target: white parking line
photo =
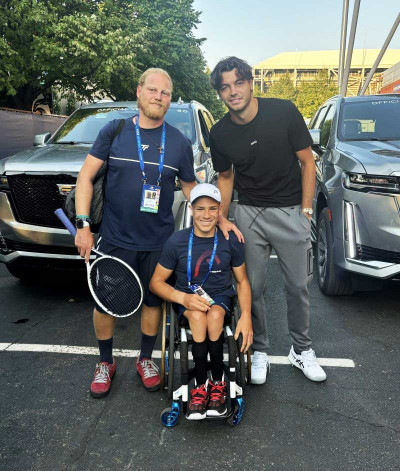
<point>41,348</point>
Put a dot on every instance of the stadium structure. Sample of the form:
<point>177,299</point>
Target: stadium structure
<point>304,66</point>
<point>391,80</point>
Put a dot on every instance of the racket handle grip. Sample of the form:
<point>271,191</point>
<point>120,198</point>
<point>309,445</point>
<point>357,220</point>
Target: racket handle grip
<point>67,223</point>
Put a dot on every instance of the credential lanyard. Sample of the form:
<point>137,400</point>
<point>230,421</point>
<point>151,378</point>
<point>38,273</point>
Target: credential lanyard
<point>140,152</point>
<point>189,257</point>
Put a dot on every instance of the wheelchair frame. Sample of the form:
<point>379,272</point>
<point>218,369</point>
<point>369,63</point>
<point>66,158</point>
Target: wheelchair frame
<point>174,336</point>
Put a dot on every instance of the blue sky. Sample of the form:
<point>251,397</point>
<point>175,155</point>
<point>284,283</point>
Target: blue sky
<point>258,29</point>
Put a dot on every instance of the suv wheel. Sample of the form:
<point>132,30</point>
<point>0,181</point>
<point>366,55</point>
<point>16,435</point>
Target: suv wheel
<point>22,272</point>
<point>329,280</point>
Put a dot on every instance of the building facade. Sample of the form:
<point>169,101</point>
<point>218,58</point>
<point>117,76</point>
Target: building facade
<point>304,66</point>
<point>391,80</point>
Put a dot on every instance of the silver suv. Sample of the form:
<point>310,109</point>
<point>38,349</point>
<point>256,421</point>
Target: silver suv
<point>35,182</point>
<point>356,222</point>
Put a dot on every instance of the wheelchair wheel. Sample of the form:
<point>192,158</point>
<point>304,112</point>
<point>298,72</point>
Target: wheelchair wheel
<point>244,370</point>
<point>167,349</point>
<point>184,361</point>
<point>163,346</point>
<point>171,350</point>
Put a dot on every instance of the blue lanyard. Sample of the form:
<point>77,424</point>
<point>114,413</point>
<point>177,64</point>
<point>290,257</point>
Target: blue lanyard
<point>189,257</point>
<point>140,151</point>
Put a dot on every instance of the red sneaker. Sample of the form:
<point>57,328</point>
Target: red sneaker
<point>217,402</point>
<point>103,375</point>
<point>149,373</point>
<point>197,407</point>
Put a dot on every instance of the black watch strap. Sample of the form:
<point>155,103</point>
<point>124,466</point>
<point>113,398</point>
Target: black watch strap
<point>81,223</point>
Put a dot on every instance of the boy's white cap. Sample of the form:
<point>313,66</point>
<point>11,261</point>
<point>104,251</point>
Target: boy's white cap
<point>205,189</point>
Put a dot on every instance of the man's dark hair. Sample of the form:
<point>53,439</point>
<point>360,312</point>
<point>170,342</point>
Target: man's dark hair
<point>226,65</point>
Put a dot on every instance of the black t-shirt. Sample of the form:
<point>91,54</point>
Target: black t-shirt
<point>230,253</point>
<point>123,224</point>
<point>263,153</point>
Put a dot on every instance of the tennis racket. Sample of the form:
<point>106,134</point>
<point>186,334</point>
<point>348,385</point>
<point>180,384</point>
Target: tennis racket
<point>114,285</point>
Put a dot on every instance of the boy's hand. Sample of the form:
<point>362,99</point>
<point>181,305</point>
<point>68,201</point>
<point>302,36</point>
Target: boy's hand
<point>245,327</point>
<point>194,302</point>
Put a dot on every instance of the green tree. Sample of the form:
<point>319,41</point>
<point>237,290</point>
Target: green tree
<point>311,95</point>
<point>283,88</point>
<point>170,44</point>
<point>257,91</point>
<point>75,44</point>
<point>99,47</point>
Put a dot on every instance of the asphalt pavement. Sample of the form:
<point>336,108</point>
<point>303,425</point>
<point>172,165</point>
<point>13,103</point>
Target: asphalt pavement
<point>50,422</point>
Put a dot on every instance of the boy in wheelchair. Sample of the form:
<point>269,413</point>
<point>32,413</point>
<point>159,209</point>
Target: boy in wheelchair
<point>203,261</point>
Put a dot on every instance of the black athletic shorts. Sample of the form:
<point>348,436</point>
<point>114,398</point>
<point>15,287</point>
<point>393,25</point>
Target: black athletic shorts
<point>220,300</point>
<point>144,264</point>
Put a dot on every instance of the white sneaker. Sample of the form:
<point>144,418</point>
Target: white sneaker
<point>307,363</point>
<point>260,366</point>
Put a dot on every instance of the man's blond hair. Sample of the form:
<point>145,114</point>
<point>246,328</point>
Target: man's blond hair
<point>154,70</point>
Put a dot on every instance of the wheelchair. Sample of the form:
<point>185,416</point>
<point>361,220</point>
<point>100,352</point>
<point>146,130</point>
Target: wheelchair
<point>176,338</point>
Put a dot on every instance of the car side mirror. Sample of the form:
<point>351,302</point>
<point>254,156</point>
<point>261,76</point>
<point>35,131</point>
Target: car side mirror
<point>41,139</point>
<point>315,136</point>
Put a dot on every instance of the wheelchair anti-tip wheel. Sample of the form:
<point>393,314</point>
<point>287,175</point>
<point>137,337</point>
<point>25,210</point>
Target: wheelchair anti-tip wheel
<point>238,411</point>
<point>170,416</point>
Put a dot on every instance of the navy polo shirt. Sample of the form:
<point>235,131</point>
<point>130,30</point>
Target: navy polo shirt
<point>123,224</point>
<point>230,253</point>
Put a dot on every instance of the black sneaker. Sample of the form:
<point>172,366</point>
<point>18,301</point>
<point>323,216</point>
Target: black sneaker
<point>197,407</point>
<point>217,401</point>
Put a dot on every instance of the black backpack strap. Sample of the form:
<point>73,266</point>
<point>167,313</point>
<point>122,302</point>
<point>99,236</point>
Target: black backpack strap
<point>103,168</point>
<point>118,129</point>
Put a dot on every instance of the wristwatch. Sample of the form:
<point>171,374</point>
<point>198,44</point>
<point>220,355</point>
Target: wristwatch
<point>80,223</point>
<point>307,211</point>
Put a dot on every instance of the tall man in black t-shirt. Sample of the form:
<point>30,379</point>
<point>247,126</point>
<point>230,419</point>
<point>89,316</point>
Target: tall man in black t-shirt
<point>257,146</point>
<point>128,229</point>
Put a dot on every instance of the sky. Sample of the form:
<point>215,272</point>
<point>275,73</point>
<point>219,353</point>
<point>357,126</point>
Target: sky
<point>259,29</point>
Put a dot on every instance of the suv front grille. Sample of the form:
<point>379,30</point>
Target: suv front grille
<point>36,197</point>
<point>366,254</point>
<point>8,245</point>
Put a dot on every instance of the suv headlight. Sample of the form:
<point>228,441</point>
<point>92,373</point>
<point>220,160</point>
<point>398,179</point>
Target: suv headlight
<point>4,184</point>
<point>371,183</point>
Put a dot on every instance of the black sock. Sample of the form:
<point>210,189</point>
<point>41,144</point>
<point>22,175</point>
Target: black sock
<point>199,352</point>
<point>216,350</point>
<point>106,347</point>
<point>147,346</point>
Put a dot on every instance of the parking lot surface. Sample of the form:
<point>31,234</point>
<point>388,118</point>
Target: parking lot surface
<point>50,422</point>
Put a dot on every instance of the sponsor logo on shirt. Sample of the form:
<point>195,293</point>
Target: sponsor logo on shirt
<point>252,143</point>
<point>145,147</point>
<point>205,256</point>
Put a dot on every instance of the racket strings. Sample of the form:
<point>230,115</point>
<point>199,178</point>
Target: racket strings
<point>114,286</point>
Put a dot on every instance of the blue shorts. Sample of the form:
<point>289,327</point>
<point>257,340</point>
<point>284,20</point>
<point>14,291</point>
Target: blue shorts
<point>144,264</point>
<point>220,300</point>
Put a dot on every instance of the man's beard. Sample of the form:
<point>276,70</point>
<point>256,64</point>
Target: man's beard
<point>150,112</point>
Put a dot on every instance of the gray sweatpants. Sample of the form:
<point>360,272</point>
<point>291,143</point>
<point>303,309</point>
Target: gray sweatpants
<point>287,231</point>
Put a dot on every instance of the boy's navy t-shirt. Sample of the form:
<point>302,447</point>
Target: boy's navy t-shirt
<point>123,224</point>
<point>229,254</point>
